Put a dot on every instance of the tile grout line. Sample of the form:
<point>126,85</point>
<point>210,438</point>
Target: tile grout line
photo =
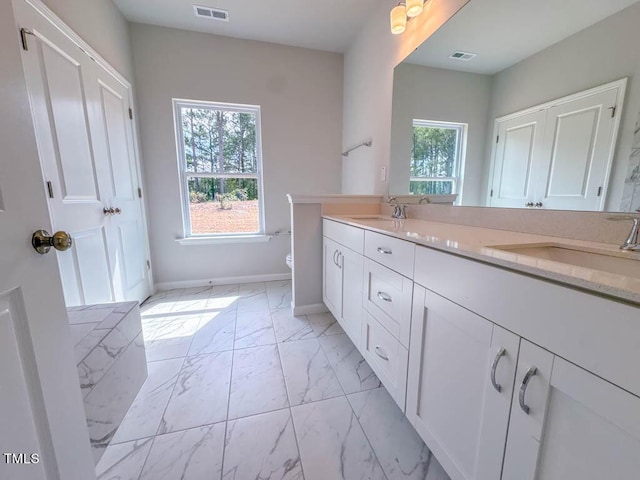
<point>375,454</point>
<point>153,441</point>
<point>226,420</point>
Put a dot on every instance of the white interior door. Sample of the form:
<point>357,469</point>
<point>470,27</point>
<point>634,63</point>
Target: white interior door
<point>86,144</point>
<point>519,149</point>
<point>57,74</point>
<point>580,136</point>
<point>126,230</point>
<point>41,408</point>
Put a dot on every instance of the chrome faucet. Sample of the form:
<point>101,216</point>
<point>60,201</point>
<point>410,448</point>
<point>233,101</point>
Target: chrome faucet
<point>399,211</point>
<point>632,243</point>
<point>423,199</point>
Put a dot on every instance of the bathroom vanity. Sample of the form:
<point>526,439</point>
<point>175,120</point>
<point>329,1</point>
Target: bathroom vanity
<point>509,363</point>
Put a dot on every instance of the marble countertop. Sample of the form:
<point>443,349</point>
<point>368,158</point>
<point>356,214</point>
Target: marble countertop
<point>476,243</point>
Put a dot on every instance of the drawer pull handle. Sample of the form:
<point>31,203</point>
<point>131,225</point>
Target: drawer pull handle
<point>523,388</point>
<point>384,297</point>
<point>494,365</point>
<point>381,353</point>
<point>384,251</point>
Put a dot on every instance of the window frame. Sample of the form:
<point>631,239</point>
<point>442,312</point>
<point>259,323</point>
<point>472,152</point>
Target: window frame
<point>184,175</point>
<point>461,154</point>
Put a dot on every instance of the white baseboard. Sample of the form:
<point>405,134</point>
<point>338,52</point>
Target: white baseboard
<point>309,309</point>
<point>273,277</point>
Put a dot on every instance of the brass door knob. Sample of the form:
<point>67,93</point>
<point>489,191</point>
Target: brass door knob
<point>42,241</point>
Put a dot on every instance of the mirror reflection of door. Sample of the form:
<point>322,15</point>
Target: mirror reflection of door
<point>557,155</point>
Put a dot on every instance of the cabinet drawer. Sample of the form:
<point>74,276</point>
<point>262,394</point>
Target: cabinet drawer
<point>388,299</point>
<point>391,252</point>
<point>350,237</point>
<point>387,357</point>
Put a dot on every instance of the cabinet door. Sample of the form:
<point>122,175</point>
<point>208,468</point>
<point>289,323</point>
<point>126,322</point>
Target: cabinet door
<point>331,278</point>
<point>352,265</point>
<point>579,426</point>
<point>518,152</point>
<point>451,400</point>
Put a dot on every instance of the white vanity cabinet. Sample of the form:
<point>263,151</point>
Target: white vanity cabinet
<point>343,276</point>
<point>461,377</point>
<point>567,423</point>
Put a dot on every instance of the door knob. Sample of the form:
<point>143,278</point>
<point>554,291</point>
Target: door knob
<point>117,211</point>
<point>42,241</point>
<point>108,211</point>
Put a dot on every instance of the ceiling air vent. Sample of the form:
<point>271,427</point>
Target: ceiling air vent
<point>211,13</point>
<point>464,56</point>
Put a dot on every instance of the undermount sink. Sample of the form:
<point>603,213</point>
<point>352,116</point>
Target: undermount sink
<point>620,263</point>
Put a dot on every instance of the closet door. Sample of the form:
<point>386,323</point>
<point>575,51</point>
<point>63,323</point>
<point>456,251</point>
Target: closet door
<point>125,226</point>
<point>59,78</point>
<point>580,139</point>
<point>86,145</point>
<point>519,149</point>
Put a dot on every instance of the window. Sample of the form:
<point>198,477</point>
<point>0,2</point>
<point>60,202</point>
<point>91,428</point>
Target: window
<point>220,168</point>
<point>437,158</point>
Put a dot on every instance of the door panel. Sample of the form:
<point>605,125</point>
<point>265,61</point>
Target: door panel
<point>92,265</point>
<point>114,107</point>
<point>59,76</point>
<point>518,151</point>
<point>15,399</point>
<point>580,138</point>
<point>127,245</point>
<point>352,281</point>
<point>332,278</point>
<point>450,400</point>
<point>129,262</point>
<point>64,88</point>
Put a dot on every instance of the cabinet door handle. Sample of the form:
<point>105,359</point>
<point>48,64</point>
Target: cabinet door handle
<point>335,261</point>
<point>384,251</point>
<point>494,365</point>
<point>523,388</point>
<point>339,262</point>
<point>385,297</point>
<point>381,353</point>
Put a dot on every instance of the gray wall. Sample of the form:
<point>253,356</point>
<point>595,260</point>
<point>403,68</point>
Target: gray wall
<point>604,52</point>
<point>300,92</point>
<point>101,25</point>
<point>443,95</point>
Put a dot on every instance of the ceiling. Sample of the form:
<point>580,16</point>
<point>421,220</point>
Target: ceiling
<point>322,24</point>
<point>504,32</point>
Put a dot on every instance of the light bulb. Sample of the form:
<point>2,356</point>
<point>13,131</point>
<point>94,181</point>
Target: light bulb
<point>414,7</point>
<point>398,19</point>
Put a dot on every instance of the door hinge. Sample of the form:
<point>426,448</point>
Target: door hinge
<point>613,111</point>
<point>491,193</point>
<point>148,265</point>
<point>50,189</point>
<point>498,139</point>
<point>131,114</point>
<point>23,38</point>
<point>599,192</point>
<point>139,192</point>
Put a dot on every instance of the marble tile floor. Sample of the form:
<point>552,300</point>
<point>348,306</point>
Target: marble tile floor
<point>239,389</point>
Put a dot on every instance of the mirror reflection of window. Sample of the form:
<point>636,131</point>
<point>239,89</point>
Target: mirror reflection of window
<point>437,158</point>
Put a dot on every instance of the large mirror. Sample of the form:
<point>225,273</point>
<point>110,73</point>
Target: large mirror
<point>524,105</point>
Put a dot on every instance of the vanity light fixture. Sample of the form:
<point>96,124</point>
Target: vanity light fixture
<point>403,12</point>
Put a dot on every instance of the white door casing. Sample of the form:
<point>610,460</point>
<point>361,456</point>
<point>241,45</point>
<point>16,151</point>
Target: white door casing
<point>41,408</point>
<point>88,152</point>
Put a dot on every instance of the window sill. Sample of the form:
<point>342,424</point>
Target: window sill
<point>220,240</point>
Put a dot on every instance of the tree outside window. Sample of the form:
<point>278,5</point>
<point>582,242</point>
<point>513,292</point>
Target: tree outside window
<point>220,164</point>
<point>436,158</point>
